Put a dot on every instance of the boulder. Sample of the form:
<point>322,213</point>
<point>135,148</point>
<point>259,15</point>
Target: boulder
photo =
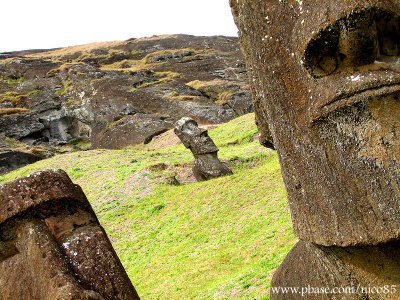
<point>19,125</point>
<point>11,160</point>
<point>129,130</point>
<point>206,164</point>
<point>241,103</point>
<point>52,245</point>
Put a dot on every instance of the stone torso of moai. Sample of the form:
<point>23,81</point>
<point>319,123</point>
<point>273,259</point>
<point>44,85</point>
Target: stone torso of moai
<point>206,164</point>
<point>52,246</point>
<point>326,78</point>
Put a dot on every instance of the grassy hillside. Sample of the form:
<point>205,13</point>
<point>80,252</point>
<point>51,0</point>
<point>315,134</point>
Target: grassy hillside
<point>178,239</point>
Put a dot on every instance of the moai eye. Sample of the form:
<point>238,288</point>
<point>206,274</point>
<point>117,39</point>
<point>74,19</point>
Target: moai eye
<point>389,47</point>
<point>321,57</point>
<point>328,64</point>
<point>359,39</point>
<point>358,42</point>
<point>389,34</point>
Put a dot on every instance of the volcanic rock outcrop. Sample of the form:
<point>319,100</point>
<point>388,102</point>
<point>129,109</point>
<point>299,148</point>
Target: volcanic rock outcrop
<point>118,94</point>
<point>11,160</point>
<point>52,245</point>
<point>206,163</point>
<point>326,80</point>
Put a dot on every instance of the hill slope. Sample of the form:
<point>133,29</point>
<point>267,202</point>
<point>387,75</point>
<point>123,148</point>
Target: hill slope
<point>178,239</point>
<point>133,90</point>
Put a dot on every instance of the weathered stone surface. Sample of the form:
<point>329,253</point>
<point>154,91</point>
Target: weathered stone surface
<point>206,164</point>
<point>328,82</point>
<point>35,268</point>
<point>194,138</point>
<point>19,126</point>
<point>52,245</point>
<point>363,272</point>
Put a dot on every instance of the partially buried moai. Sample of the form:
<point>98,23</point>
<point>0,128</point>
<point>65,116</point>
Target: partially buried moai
<point>206,164</point>
<point>326,75</point>
<point>52,245</point>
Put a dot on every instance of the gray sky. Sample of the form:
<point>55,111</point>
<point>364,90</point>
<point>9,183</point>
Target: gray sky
<point>38,24</point>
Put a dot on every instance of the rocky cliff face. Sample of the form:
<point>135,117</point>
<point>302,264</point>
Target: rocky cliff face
<point>120,93</point>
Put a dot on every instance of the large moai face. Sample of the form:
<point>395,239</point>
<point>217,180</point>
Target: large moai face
<point>327,80</point>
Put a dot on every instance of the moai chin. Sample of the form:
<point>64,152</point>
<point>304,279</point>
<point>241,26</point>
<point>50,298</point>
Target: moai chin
<point>206,164</point>
<point>327,79</point>
<point>52,245</point>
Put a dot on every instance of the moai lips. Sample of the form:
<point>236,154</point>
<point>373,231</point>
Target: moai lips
<point>206,164</point>
<point>52,245</point>
<point>327,79</point>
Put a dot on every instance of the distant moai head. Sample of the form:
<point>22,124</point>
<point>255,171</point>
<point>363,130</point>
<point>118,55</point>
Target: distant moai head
<point>193,137</point>
<point>326,79</point>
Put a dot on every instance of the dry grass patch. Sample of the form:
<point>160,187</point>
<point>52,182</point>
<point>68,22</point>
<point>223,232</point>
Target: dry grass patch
<point>198,84</point>
<point>65,67</point>
<point>185,97</point>
<point>128,65</point>
<point>13,111</point>
<point>169,74</point>
<point>74,49</point>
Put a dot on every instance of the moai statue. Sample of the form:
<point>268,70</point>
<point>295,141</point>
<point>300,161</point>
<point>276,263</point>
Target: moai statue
<point>206,164</point>
<point>52,245</point>
<point>327,80</point>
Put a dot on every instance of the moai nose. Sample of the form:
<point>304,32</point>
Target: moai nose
<point>358,42</point>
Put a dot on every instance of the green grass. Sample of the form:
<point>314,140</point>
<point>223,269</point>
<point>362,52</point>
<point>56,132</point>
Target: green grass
<point>83,144</point>
<point>65,89</point>
<point>15,97</point>
<point>149,84</point>
<point>18,79</point>
<point>239,131</point>
<point>218,239</point>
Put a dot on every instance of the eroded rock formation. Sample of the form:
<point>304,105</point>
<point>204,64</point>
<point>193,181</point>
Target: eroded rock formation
<point>206,164</point>
<point>11,160</point>
<point>326,80</point>
<point>52,245</point>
